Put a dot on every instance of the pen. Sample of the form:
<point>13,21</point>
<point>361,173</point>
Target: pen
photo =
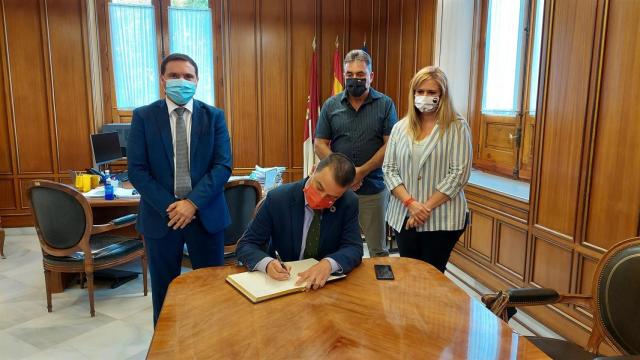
<point>280,261</point>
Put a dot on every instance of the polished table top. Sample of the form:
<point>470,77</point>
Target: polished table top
<point>421,314</point>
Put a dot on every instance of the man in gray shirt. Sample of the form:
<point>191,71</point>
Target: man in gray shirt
<point>357,122</point>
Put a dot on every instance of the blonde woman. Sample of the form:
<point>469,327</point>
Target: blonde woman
<point>427,163</point>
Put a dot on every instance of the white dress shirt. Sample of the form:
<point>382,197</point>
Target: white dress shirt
<point>173,117</point>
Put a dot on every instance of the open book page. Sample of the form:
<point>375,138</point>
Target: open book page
<point>258,286</point>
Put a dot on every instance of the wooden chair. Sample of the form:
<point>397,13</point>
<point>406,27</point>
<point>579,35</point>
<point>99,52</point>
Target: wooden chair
<point>69,240</point>
<point>242,198</point>
<point>614,299</point>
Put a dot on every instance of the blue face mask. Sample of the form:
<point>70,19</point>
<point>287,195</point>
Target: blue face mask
<point>180,91</point>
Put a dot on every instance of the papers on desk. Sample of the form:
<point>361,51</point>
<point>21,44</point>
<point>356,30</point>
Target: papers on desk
<point>258,286</point>
<point>268,177</point>
<point>119,192</point>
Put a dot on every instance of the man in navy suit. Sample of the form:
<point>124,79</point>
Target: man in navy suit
<point>179,157</point>
<point>314,217</point>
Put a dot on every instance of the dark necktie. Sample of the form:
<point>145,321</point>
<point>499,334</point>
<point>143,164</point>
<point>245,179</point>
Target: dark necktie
<point>183,178</point>
<point>313,237</point>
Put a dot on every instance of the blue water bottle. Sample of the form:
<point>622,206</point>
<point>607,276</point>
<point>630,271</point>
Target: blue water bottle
<point>108,187</point>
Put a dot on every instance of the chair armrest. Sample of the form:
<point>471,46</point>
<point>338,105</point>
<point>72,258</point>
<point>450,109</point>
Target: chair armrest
<point>123,221</point>
<point>499,302</point>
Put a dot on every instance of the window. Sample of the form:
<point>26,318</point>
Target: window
<point>503,116</point>
<point>141,33</point>
<point>190,33</point>
<point>135,58</point>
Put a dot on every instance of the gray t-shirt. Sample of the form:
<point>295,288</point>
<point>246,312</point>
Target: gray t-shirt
<point>358,134</point>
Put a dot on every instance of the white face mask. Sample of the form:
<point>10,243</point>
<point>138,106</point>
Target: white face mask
<point>426,103</point>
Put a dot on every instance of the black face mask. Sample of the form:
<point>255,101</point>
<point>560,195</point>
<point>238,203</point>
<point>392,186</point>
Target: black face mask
<point>356,87</point>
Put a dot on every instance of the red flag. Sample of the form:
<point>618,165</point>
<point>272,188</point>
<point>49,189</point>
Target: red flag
<point>337,72</point>
<point>313,108</point>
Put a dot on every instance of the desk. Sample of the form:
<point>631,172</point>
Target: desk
<point>420,315</point>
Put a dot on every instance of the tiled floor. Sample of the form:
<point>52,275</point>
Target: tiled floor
<point>122,328</point>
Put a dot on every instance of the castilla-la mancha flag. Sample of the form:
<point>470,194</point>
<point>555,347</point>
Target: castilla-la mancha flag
<point>313,108</point>
<point>337,72</point>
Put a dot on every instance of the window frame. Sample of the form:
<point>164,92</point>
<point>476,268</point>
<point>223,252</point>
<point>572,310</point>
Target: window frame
<point>495,151</point>
<point>112,114</point>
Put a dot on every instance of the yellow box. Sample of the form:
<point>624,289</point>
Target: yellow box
<point>95,181</point>
<point>86,182</point>
<point>78,181</point>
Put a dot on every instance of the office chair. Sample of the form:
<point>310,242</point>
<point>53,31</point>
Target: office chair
<point>614,301</point>
<point>242,197</point>
<point>69,240</point>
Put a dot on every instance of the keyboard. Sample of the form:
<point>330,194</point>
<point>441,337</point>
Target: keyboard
<point>122,177</point>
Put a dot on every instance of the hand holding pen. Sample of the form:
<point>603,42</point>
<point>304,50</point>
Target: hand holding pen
<point>277,269</point>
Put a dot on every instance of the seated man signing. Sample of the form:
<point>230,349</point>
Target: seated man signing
<point>316,217</point>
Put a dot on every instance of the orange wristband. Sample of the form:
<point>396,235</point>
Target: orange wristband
<point>408,202</point>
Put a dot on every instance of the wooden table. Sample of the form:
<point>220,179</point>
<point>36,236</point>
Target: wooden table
<point>419,315</point>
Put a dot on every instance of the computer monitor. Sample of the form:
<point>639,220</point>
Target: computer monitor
<point>106,147</point>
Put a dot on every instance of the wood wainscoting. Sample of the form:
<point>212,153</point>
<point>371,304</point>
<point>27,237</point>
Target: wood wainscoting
<point>585,192</point>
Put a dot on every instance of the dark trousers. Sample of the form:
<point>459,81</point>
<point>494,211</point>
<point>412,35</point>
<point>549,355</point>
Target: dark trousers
<point>433,247</point>
<point>165,257</point>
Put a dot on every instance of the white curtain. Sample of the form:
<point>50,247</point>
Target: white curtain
<point>190,33</point>
<point>135,56</point>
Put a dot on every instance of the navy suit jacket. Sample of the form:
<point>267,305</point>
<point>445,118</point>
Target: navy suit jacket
<point>278,226</point>
<point>151,169</point>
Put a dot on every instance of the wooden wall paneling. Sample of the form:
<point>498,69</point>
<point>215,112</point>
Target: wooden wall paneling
<point>424,34</point>
<point>586,272</point>
<point>243,113</point>
<point>360,22</point>
<point>6,140</point>
<point>8,162</point>
<point>29,86</point>
<point>218,55</point>
<point>70,88</point>
<point>551,265</point>
<point>511,249</point>
<point>302,15</point>
<point>393,56</point>
<point>332,23</point>
<point>7,194</point>
<point>378,47</point>
<point>409,50</point>
<point>567,91</point>
<point>613,209</point>
<point>481,234</point>
<point>274,92</point>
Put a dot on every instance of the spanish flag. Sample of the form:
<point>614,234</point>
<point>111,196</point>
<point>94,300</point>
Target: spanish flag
<point>337,72</point>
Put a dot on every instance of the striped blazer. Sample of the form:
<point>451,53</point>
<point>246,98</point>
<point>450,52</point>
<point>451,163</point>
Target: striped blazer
<point>445,166</point>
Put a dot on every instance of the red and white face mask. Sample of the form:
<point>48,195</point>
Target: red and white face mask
<point>315,200</point>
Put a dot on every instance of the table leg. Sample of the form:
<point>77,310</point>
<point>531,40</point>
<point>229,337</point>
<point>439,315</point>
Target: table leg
<point>2,243</point>
<point>1,240</point>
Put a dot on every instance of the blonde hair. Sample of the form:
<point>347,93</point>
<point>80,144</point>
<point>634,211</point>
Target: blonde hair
<point>445,114</point>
